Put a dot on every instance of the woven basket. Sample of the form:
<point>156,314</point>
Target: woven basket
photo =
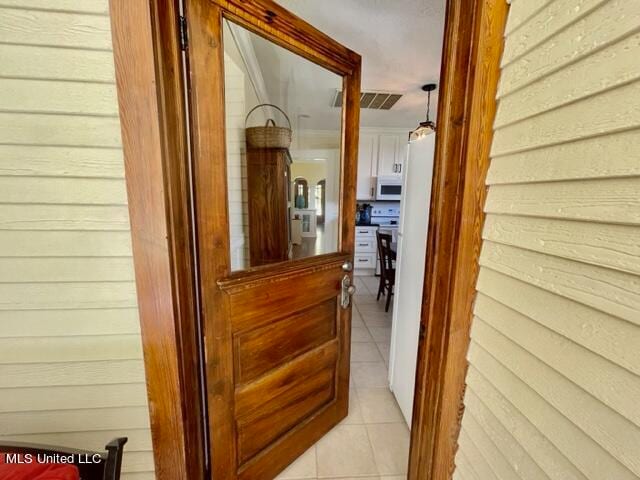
<point>270,135</point>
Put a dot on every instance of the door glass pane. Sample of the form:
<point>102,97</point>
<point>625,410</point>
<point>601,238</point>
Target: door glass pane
<point>283,152</point>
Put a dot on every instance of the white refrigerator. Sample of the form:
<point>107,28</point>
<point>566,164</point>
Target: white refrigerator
<point>410,265</point>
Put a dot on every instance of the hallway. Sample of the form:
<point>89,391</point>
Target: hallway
<point>372,443</point>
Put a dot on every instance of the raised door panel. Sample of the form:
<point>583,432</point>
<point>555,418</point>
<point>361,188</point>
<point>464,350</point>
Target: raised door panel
<point>290,361</point>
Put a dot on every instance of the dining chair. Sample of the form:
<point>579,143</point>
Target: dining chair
<point>387,271</point>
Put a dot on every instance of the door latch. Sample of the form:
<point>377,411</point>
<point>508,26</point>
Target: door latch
<point>347,291</point>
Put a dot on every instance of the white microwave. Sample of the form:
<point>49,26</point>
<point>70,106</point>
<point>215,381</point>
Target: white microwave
<point>388,188</point>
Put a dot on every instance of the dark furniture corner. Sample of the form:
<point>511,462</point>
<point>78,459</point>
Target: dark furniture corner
<point>387,271</point>
<point>268,181</point>
<point>107,466</point>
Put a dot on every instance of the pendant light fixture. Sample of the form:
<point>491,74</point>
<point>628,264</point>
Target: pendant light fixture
<point>426,127</point>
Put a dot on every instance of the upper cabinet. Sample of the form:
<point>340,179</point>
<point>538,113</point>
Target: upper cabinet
<point>379,154</point>
<point>389,158</point>
<point>367,166</point>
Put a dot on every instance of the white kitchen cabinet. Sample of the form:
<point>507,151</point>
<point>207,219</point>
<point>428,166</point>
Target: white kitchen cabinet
<point>388,154</point>
<point>403,150</point>
<point>364,260</point>
<point>367,166</point>
<point>379,154</point>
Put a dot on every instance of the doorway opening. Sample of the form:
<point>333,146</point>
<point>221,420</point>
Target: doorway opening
<point>224,290</point>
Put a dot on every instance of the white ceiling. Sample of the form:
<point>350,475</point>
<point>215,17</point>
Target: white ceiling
<point>400,42</point>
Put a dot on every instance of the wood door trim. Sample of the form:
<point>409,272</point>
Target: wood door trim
<point>150,87</point>
<point>470,70</point>
<point>270,20</point>
<point>281,271</point>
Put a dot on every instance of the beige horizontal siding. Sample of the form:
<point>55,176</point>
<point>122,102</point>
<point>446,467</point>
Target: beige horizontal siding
<point>542,24</point>
<point>553,385</point>
<point>87,6</point>
<point>521,12</point>
<point>64,322</point>
<point>33,160</point>
<point>616,155</point>
<point>51,63</point>
<point>50,129</point>
<point>62,29</point>
<point>71,369</point>
<point>609,23</point>
<point>74,243</point>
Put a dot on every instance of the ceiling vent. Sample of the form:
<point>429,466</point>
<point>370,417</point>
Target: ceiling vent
<point>372,100</point>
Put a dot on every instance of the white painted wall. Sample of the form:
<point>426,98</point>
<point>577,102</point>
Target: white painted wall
<point>71,369</point>
<point>554,380</point>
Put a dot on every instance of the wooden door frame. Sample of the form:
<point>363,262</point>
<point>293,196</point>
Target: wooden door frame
<point>153,117</point>
<point>473,43</point>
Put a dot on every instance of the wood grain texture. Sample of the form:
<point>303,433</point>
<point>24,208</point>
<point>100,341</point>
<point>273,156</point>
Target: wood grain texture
<point>149,78</point>
<point>473,46</point>
<point>256,445</point>
<point>291,32</point>
<point>278,342</point>
<point>268,205</point>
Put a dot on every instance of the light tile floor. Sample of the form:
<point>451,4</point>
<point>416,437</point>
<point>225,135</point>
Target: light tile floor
<point>372,443</point>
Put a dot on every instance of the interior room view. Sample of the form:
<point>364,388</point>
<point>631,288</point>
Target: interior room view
<point>319,240</point>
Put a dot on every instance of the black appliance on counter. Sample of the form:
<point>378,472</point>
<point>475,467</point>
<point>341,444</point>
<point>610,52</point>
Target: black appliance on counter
<point>363,214</point>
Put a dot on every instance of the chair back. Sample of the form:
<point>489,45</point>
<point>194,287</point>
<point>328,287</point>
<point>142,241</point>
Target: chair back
<point>384,253</point>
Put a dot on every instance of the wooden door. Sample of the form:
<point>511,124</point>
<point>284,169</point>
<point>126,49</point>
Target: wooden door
<point>276,337</point>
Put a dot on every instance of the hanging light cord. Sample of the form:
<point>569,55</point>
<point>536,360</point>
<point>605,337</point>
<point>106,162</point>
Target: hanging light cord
<point>428,104</point>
